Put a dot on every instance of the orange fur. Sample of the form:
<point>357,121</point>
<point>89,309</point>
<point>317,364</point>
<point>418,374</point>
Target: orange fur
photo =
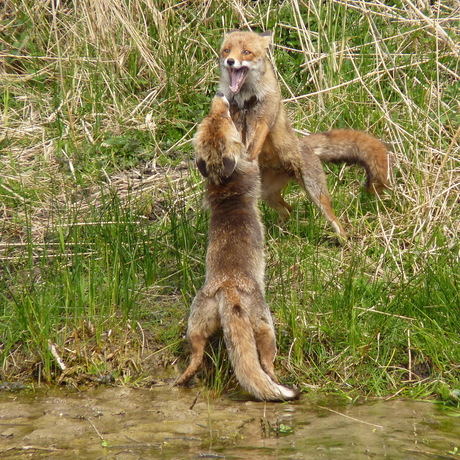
<point>248,81</point>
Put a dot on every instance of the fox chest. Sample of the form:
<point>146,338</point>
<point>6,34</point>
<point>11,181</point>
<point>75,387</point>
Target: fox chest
<point>239,118</point>
<point>246,121</point>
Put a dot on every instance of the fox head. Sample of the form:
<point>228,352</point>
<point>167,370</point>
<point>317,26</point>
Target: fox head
<point>218,145</point>
<point>242,59</point>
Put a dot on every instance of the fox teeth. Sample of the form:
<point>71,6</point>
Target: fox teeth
<point>237,77</point>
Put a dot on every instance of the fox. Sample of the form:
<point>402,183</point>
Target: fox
<point>233,295</point>
<point>248,80</point>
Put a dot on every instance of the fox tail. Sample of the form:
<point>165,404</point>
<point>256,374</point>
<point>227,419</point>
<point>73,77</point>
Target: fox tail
<point>242,349</point>
<point>353,147</point>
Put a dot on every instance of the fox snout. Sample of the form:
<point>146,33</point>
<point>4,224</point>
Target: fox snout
<point>230,62</point>
<point>234,63</point>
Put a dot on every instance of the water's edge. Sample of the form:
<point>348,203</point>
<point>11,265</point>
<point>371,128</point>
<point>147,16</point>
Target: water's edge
<point>175,423</point>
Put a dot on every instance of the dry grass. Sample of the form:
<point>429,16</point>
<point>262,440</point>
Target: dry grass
<point>100,36</point>
<point>101,101</point>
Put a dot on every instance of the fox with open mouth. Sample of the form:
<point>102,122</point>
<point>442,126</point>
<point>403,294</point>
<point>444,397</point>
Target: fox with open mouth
<point>242,69</point>
<point>248,80</point>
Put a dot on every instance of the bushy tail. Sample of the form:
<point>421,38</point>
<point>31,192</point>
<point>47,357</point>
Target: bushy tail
<point>354,147</point>
<point>242,351</point>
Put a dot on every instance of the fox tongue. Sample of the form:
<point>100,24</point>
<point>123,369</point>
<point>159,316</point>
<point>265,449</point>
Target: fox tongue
<point>237,77</point>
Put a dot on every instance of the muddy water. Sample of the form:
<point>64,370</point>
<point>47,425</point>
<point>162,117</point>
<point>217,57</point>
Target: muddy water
<point>174,423</point>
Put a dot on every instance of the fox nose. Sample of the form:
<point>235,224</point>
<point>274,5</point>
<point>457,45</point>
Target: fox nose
<point>230,62</point>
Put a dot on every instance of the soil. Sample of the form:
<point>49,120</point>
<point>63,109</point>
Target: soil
<point>176,423</point>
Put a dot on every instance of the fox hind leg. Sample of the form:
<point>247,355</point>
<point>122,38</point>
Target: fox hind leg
<point>313,181</point>
<point>264,333</point>
<point>202,323</point>
<point>266,346</point>
<point>273,181</point>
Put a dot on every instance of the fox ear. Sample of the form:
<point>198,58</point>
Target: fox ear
<point>201,165</point>
<point>267,36</point>
<point>229,166</point>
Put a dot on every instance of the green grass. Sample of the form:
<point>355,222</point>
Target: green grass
<point>103,235</point>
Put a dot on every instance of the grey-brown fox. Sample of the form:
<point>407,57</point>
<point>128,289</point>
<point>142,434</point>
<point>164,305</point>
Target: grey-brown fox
<point>232,297</point>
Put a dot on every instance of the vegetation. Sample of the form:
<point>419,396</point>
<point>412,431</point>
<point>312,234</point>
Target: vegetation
<point>103,235</point>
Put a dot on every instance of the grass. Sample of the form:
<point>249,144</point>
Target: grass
<point>103,235</point>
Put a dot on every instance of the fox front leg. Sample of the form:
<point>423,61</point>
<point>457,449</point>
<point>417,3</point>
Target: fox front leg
<point>257,134</point>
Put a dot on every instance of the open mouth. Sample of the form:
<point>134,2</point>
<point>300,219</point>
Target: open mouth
<point>237,77</point>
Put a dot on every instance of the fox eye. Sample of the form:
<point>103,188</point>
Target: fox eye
<point>226,51</point>
<point>246,52</point>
